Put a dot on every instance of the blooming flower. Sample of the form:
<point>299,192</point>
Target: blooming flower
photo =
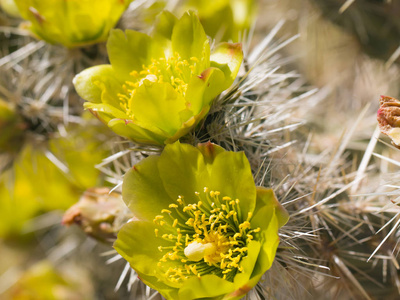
<point>72,23</point>
<point>158,88</point>
<point>204,230</point>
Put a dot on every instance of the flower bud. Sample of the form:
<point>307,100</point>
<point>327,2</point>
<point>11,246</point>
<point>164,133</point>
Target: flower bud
<point>99,213</point>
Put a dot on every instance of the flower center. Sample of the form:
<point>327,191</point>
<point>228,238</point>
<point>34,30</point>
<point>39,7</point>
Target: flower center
<point>208,237</point>
<point>173,70</point>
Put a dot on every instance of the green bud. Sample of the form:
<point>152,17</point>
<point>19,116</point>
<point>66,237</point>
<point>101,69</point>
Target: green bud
<point>98,213</point>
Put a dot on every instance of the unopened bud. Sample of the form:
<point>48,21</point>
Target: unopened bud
<point>99,213</point>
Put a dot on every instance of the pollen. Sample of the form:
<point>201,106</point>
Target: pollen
<point>206,237</point>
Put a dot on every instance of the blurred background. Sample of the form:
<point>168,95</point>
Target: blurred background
<point>49,147</point>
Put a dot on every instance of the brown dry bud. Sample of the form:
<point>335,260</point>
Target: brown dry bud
<point>99,213</point>
<point>389,118</point>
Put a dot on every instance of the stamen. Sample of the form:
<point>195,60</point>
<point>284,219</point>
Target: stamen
<point>173,70</point>
<point>211,239</point>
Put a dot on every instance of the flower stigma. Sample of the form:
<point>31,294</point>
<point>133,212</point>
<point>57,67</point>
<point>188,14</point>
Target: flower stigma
<point>207,237</point>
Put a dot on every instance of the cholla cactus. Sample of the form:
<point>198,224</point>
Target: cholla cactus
<point>206,220</point>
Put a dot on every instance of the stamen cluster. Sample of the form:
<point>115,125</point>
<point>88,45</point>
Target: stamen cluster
<point>173,70</point>
<point>207,237</point>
